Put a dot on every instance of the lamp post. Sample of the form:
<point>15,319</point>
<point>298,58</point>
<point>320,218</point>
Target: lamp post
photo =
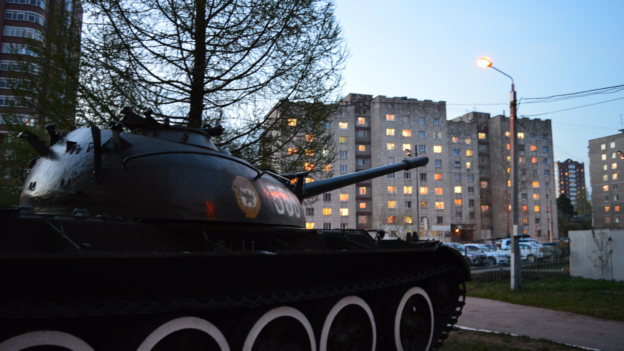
<point>516,275</point>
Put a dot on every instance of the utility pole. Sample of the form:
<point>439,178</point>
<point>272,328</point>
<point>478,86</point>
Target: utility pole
<point>516,263</point>
<point>417,193</point>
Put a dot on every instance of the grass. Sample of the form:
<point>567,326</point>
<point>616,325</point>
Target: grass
<point>464,340</point>
<point>597,298</point>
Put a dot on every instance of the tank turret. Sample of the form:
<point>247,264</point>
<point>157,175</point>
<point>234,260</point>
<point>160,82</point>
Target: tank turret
<point>159,171</point>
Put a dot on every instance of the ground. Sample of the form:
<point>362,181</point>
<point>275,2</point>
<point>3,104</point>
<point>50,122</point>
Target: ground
<point>464,340</point>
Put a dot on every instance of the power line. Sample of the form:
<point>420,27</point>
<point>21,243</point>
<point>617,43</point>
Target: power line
<point>573,108</point>
<point>553,98</point>
<point>562,150</point>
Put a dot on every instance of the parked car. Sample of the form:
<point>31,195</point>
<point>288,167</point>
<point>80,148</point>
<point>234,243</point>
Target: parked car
<point>474,258</point>
<point>530,252</point>
<point>560,249</point>
<point>494,256</point>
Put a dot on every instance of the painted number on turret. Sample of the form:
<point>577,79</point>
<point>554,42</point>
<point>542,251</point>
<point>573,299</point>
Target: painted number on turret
<point>284,203</point>
<point>246,196</point>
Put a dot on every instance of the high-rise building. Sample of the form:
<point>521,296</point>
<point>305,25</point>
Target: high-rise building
<point>461,195</point>
<point>605,166</point>
<point>570,179</point>
<point>22,19</point>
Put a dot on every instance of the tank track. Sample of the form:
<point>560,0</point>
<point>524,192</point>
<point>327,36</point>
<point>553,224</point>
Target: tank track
<point>154,303</point>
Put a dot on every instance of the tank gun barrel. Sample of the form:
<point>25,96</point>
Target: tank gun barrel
<point>321,186</point>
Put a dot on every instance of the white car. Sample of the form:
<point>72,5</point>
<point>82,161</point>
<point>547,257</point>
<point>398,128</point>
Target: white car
<point>530,252</point>
<point>494,257</point>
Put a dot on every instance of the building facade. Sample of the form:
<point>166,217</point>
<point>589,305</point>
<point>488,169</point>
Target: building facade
<point>570,179</point>
<point>21,19</point>
<point>460,195</point>
<point>605,166</point>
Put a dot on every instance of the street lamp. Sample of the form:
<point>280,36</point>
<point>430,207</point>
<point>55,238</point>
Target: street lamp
<point>516,283</point>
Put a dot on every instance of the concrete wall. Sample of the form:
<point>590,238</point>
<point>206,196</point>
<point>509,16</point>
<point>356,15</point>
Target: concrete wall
<point>585,254</point>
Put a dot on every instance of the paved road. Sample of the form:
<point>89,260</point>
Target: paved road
<point>564,327</point>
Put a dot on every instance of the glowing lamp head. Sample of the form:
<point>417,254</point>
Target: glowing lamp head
<point>484,62</point>
<point>456,230</point>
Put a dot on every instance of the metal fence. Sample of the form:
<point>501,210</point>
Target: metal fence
<point>545,261</point>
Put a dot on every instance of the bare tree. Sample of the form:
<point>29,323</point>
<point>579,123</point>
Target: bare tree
<point>225,62</point>
<point>396,222</point>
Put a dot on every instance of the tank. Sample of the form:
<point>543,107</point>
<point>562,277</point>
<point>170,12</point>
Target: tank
<point>156,239</point>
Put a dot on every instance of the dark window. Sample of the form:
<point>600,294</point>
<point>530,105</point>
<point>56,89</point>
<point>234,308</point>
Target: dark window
<point>326,197</point>
<point>309,211</point>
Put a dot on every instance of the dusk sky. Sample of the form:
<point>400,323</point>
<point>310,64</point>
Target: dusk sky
<point>429,50</point>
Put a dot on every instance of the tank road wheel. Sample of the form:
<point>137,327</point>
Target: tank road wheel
<point>45,340</point>
<point>184,333</point>
<point>278,329</point>
<point>345,324</point>
<point>407,323</point>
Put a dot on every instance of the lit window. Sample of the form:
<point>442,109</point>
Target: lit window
<point>482,135</point>
<point>520,135</point>
<point>362,219</point>
<point>362,147</point>
<point>468,152</point>
<point>309,225</point>
<point>437,149</point>
<point>391,204</point>
<point>408,219</point>
<point>616,208</point>
<point>344,212</point>
<point>343,140</point>
<point>607,219</point>
<point>310,138</point>
<point>407,189</point>
<point>508,170</point>
<point>423,204</point>
<point>362,205</point>
<point>439,205</point>
<point>437,176</point>
<point>614,166</point>
<point>361,120</point>
<point>458,202</point>
<point>535,196</point>
<point>392,189</point>
<point>507,133</point>
<point>458,190</point>
<point>326,211</point>
<point>605,177</point>
<point>467,165</point>
<point>536,184</point>
<point>309,180</point>
<point>390,131</point>
<point>391,219</point>
<point>533,159</point>
<point>485,208</point>
<point>604,167</point>
<point>389,117</point>
<point>612,144</point>
<point>533,148</point>
<point>343,125</point>
<point>484,185</point>
<point>390,146</point>
<point>309,152</point>
<point>525,208</point>
<point>292,150</point>
<point>407,133</point>
<point>407,147</point>
<point>344,197</point>
<point>362,190</point>
<point>438,191</point>
<point>468,141</point>
<point>613,155</point>
<point>508,147</point>
<point>537,209</point>
<point>308,166</point>
<point>614,176</point>
<point>521,159</point>
<point>327,168</point>
<point>607,208</point>
<point>605,187</point>
<point>455,140</point>
<point>509,183</point>
<point>424,190</point>
<point>603,146</point>
<point>292,122</point>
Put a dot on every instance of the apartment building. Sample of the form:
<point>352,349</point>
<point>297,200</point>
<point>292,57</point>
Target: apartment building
<point>22,19</point>
<point>570,179</point>
<point>461,195</point>
<point>605,166</point>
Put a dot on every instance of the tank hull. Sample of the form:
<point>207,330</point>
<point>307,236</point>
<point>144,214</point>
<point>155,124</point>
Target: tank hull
<point>106,290</point>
